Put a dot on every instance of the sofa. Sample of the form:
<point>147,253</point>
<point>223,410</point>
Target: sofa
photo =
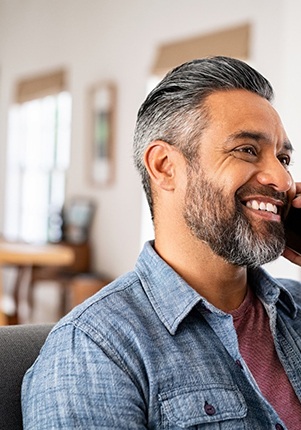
<point>19,347</point>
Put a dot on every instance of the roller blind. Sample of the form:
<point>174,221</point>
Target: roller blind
<point>40,86</point>
<point>233,42</point>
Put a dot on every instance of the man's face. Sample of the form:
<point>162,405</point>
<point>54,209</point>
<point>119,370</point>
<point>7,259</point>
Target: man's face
<point>236,198</point>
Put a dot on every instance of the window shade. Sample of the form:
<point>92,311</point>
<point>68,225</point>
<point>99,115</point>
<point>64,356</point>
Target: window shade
<point>40,86</point>
<point>233,42</point>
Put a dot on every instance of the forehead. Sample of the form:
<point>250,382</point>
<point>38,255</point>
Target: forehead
<point>234,111</point>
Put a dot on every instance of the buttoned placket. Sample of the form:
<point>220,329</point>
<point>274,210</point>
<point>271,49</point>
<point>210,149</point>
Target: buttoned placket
<point>223,326</point>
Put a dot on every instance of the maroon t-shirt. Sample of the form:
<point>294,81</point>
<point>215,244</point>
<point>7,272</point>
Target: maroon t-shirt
<point>258,350</point>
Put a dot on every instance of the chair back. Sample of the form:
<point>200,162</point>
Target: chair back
<point>19,347</point>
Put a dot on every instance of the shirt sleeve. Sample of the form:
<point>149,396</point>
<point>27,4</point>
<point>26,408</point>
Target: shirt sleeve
<point>75,384</point>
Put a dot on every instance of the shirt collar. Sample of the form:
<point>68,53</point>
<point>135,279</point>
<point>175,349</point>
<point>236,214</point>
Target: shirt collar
<point>271,290</point>
<point>172,298</point>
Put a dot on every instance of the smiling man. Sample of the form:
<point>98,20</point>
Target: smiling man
<point>198,335</point>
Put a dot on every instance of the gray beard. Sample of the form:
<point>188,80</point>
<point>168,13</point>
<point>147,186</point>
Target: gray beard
<point>228,231</point>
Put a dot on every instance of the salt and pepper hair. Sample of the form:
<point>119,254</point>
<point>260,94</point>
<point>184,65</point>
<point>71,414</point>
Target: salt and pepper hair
<point>175,110</point>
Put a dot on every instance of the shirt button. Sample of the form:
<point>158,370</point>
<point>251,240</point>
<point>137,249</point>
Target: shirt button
<point>209,409</point>
<point>279,427</point>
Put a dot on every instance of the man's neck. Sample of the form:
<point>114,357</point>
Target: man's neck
<point>222,284</point>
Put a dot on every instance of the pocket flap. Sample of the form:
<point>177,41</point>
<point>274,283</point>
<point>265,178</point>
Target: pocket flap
<point>188,406</point>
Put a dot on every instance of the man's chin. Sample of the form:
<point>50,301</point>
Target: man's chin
<point>253,255</point>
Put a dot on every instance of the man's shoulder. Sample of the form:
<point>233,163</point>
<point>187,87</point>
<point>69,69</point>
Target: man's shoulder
<point>126,286</point>
<point>116,305</point>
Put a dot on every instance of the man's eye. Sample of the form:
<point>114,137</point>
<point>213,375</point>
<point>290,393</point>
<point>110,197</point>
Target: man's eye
<point>250,150</point>
<point>284,159</point>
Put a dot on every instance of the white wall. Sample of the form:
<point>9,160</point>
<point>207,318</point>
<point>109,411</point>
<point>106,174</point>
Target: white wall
<point>117,39</point>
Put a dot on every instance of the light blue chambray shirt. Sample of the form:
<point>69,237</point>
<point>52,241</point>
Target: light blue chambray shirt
<point>148,352</point>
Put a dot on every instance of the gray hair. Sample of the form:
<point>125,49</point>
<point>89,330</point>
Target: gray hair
<point>175,109</point>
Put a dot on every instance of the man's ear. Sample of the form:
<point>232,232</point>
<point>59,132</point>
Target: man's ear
<point>159,160</point>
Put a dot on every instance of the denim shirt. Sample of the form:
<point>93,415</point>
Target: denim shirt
<point>148,352</point>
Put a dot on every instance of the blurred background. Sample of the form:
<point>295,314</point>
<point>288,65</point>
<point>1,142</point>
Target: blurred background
<point>73,74</point>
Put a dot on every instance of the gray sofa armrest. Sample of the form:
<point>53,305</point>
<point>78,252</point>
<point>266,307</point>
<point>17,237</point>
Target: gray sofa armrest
<point>19,347</point>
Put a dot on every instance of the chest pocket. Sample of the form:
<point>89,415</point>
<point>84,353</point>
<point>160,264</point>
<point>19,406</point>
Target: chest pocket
<point>194,407</point>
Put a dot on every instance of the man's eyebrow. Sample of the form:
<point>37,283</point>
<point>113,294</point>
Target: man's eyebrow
<point>288,146</point>
<point>258,136</point>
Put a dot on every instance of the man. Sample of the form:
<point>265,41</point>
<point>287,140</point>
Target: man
<point>197,336</point>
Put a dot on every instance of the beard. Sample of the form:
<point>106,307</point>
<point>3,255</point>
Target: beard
<point>213,218</point>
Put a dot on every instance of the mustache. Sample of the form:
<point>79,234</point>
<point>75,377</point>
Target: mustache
<point>247,190</point>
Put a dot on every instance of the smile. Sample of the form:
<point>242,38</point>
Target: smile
<point>262,206</point>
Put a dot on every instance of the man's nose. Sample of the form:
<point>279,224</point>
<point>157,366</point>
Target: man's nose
<point>275,175</point>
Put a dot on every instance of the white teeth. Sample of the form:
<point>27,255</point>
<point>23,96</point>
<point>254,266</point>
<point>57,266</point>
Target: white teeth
<point>269,207</point>
<point>255,205</point>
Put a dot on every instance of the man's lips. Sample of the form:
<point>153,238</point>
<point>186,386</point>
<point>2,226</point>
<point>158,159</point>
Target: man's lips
<point>264,201</point>
<point>260,205</point>
<point>266,207</point>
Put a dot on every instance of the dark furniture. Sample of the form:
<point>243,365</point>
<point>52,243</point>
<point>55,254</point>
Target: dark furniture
<point>19,347</point>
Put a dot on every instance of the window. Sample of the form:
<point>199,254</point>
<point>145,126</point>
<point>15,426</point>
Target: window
<point>37,161</point>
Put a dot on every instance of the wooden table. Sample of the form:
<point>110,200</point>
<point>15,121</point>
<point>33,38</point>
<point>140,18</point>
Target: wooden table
<point>25,257</point>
